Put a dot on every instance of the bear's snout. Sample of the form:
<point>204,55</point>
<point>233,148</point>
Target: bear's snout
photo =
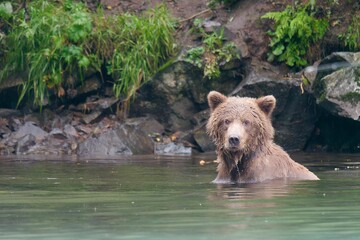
<point>234,140</point>
<point>235,136</point>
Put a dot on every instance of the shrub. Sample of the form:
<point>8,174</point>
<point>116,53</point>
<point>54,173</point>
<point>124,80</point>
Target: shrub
<point>295,29</point>
<point>62,40</point>
<point>351,38</point>
<point>212,53</point>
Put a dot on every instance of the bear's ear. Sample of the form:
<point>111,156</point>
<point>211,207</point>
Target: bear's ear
<point>266,104</point>
<point>215,99</point>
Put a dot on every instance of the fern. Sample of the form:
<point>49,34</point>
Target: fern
<point>294,30</point>
<point>351,38</point>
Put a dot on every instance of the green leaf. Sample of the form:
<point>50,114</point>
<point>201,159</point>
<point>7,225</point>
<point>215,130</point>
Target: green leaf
<point>84,62</point>
<point>278,50</point>
<point>6,9</point>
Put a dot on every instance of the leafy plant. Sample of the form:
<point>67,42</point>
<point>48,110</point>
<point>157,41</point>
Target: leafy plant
<point>195,55</point>
<point>145,43</point>
<point>62,40</point>
<point>45,47</point>
<point>295,29</point>
<point>213,53</point>
<point>351,38</point>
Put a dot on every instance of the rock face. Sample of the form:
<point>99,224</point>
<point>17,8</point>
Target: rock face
<point>9,92</point>
<point>178,92</point>
<point>337,84</point>
<point>294,115</point>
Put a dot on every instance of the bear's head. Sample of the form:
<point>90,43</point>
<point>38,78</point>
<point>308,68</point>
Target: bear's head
<point>240,124</point>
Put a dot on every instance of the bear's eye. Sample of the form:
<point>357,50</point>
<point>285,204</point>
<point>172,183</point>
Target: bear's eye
<point>246,122</point>
<point>227,121</point>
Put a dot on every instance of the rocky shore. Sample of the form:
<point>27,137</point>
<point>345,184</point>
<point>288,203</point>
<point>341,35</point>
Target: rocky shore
<point>318,109</point>
<point>169,113</point>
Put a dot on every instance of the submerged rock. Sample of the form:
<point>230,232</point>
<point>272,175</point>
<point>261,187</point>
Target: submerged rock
<point>171,148</point>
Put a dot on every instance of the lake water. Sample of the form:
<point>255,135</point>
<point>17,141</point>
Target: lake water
<point>152,197</point>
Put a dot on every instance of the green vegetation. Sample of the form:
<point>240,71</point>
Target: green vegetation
<point>213,52</point>
<point>295,29</point>
<point>351,38</point>
<point>64,40</point>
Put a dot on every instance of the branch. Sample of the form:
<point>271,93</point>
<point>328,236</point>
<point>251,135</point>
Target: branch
<point>195,15</point>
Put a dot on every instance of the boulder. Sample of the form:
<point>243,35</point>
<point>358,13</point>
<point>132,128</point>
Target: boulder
<point>135,135</point>
<point>336,84</point>
<point>203,140</point>
<point>178,92</point>
<point>130,138</point>
<point>87,87</point>
<point>171,148</point>
<point>294,116</point>
<point>25,143</point>
<point>108,143</point>
<point>70,131</point>
<point>30,128</point>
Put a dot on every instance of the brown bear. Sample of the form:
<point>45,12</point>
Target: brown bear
<point>243,134</point>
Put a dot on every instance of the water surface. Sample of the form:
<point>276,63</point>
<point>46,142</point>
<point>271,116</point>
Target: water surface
<point>150,197</point>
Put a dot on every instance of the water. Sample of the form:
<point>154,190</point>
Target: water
<point>173,198</point>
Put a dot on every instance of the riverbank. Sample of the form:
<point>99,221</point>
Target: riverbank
<point>168,113</point>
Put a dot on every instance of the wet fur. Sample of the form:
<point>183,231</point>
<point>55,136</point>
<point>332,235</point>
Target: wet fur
<point>257,158</point>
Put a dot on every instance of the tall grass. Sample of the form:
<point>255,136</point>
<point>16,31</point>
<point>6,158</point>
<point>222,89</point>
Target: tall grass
<point>65,39</point>
<point>48,47</point>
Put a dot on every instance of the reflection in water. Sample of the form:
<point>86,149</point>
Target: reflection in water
<point>152,197</point>
<point>270,189</point>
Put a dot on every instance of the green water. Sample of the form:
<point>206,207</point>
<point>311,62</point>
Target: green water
<point>173,198</point>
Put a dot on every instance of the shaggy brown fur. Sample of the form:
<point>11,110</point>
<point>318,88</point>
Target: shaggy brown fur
<point>242,131</point>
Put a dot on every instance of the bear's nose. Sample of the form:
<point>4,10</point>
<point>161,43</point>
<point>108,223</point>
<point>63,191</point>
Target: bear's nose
<point>234,140</point>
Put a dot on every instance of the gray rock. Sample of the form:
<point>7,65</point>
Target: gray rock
<point>95,104</point>
<point>130,138</point>
<point>171,149</point>
<point>4,113</point>
<point>178,93</point>
<point>108,143</point>
<point>91,117</point>
<point>89,86</point>
<point>70,131</point>
<point>57,134</point>
<point>135,137</point>
<point>148,125</point>
<point>337,84</point>
<point>4,131</point>
<point>25,143</point>
<point>294,116</point>
<point>203,140</point>
<point>84,129</point>
<point>30,128</point>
